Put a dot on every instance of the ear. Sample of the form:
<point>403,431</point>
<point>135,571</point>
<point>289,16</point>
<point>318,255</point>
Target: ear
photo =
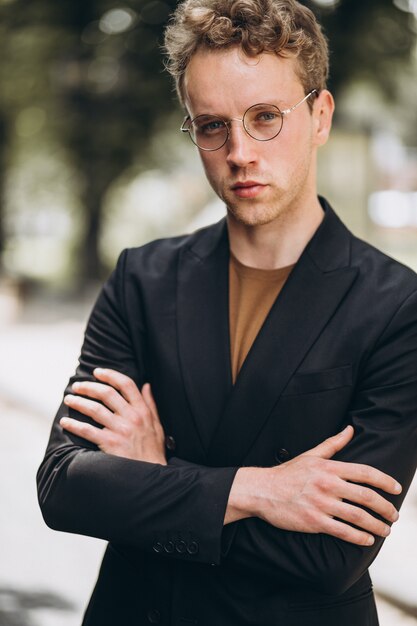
<point>323,114</point>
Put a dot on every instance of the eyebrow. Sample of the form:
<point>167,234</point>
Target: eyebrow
<point>279,103</point>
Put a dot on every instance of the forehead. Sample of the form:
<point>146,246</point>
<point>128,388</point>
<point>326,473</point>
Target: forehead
<point>228,80</point>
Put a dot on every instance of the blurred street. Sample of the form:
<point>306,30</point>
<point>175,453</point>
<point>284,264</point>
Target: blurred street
<point>46,577</point>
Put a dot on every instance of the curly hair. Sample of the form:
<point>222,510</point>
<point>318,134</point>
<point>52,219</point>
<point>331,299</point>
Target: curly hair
<point>284,27</point>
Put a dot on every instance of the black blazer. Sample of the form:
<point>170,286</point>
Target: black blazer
<point>338,347</point>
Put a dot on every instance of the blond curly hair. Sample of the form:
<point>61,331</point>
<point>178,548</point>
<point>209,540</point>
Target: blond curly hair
<point>284,27</point>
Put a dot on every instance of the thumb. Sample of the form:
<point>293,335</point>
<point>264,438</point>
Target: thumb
<point>330,446</point>
<point>149,400</point>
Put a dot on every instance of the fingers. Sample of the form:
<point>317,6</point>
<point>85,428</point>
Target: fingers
<point>149,399</point>
<point>353,472</point>
<point>83,430</point>
<point>329,447</point>
<point>362,519</point>
<point>111,398</point>
<point>91,408</point>
<point>132,428</point>
<point>358,473</point>
<point>348,533</point>
<point>368,498</point>
<point>150,402</point>
<point>117,392</point>
<point>124,385</point>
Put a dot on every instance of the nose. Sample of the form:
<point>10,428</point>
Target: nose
<point>241,149</point>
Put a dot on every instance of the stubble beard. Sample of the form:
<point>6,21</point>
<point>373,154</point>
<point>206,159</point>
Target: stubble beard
<point>253,212</point>
<point>280,206</point>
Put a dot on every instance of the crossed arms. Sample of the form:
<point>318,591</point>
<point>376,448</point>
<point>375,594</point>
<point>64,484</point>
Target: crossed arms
<point>307,494</point>
<point>308,520</point>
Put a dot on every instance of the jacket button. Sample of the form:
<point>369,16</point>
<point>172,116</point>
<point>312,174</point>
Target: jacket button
<point>282,455</point>
<point>169,547</point>
<point>154,616</point>
<point>192,547</point>
<point>158,547</point>
<point>170,443</point>
<point>180,546</point>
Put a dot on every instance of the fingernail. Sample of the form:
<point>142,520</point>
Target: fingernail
<point>63,421</point>
<point>68,398</point>
<point>386,531</point>
<point>370,541</point>
<point>395,516</point>
<point>75,385</point>
<point>398,488</point>
<point>98,370</point>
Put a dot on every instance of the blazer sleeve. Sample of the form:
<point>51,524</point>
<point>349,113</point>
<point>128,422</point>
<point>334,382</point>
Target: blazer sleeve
<point>148,506</point>
<point>383,412</point>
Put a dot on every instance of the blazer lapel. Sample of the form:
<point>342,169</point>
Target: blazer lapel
<point>203,327</point>
<point>315,288</point>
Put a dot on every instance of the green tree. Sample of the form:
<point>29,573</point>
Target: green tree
<point>96,67</point>
<point>98,70</point>
<point>111,92</point>
<point>23,78</point>
<point>369,39</point>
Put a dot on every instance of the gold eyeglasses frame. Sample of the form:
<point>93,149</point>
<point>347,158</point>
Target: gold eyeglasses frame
<point>187,122</point>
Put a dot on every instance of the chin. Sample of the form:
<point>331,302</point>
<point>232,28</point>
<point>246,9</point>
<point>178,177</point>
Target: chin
<point>252,215</point>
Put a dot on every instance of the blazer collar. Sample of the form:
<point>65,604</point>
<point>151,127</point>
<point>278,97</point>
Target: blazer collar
<point>203,326</point>
<point>330,246</point>
<point>229,418</point>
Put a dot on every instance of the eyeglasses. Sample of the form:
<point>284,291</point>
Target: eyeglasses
<point>262,122</point>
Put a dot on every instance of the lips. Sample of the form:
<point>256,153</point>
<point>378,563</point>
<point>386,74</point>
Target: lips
<point>248,188</point>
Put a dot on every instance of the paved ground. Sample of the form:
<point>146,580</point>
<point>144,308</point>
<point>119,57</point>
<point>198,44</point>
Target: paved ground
<point>46,577</point>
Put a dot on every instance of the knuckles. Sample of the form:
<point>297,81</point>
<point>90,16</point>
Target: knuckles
<point>129,385</point>
<point>366,496</point>
<point>112,441</point>
<point>356,516</point>
<point>107,394</point>
<point>325,484</point>
<point>312,519</point>
<point>140,417</point>
<point>125,429</point>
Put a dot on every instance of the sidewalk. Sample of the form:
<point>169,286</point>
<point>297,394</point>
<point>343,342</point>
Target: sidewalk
<point>46,577</point>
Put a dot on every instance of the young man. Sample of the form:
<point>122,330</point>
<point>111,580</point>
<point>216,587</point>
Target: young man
<point>255,483</point>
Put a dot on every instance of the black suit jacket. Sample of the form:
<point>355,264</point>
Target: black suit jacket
<point>338,347</point>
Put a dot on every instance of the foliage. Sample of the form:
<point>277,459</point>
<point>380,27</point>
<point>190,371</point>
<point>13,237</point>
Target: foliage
<point>99,76</point>
<point>94,69</point>
<point>369,39</point>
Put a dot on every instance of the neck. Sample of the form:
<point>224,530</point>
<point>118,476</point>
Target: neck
<point>279,243</point>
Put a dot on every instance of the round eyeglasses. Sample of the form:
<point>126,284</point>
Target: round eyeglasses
<point>262,122</point>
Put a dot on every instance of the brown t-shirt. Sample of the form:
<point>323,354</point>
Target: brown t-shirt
<point>252,292</point>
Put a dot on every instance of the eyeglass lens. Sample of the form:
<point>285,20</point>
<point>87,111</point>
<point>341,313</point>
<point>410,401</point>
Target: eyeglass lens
<point>261,121</point>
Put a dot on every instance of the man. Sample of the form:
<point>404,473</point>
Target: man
<point>254,481</point>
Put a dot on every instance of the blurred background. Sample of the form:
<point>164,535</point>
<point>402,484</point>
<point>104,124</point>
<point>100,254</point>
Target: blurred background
<point>91,161</point>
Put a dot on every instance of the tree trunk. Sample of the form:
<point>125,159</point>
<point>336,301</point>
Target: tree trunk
<point>90,265</point>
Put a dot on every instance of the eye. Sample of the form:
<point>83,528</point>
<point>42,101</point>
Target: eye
<point>262,116</point>
<point>209,126</point>
<point>267,116</point>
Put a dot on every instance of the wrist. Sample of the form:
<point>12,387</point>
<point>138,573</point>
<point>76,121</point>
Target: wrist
<point>244,497</point>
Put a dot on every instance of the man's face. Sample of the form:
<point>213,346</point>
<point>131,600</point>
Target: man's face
<point>259,181</point>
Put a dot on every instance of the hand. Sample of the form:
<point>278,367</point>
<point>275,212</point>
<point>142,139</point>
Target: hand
<point>130,420</point>
<point>307,494</point>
